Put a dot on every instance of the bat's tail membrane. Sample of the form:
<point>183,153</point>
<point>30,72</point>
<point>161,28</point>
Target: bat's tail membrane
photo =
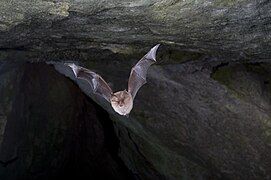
<point>152,53</point>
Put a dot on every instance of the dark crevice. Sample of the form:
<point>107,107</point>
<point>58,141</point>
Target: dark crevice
<point>112,142</point>
<point>135,145</point>
<point>249,67</point>
<point>152,170</point>
<point>19,48</point>
<point>219,66</point>
<point>72,137</point>
<point>6,163</point>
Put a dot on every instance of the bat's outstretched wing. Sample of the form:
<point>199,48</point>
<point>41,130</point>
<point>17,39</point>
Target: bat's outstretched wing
<point>98,84</point>
<point>139,71</point>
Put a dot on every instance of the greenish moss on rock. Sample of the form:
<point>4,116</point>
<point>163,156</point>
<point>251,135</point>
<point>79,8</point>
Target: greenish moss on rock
<point>243,79</point>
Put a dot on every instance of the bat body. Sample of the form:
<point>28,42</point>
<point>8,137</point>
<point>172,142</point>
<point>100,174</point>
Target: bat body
<point>121,101</point>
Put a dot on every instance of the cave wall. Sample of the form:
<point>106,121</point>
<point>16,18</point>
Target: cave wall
<point>236,29</point>
<point>194,120</point>
<point>191,121</point>
<point>204,114</point>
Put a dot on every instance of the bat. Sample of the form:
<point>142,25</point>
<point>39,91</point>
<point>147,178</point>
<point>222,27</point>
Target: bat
<point>121,101</point>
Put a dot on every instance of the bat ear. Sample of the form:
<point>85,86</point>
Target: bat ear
<point>152,53</point>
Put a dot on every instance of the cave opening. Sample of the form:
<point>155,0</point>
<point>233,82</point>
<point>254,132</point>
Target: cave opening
<point>54,130</point>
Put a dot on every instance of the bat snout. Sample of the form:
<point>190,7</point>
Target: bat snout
<point>121,105</point>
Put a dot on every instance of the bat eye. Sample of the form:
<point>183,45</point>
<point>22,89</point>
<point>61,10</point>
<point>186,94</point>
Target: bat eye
<point>114,99</point>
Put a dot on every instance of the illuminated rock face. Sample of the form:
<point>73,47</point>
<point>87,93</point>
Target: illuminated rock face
<point>204,113</point>
<point>233,29</point>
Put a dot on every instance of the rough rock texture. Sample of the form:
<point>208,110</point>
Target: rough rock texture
<point>189,123</point>
<point>237,28</point>
<point>204,114</point>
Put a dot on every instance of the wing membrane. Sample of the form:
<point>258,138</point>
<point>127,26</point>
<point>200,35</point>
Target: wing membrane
<point>97,83</point>
<point>139,71</point>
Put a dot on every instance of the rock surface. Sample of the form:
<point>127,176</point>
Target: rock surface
<point>204,114</point>
<point>197,123</point>
<point>238,30</point>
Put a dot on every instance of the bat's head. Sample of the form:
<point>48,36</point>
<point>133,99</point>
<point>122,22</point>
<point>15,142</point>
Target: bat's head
<point>122,102</point>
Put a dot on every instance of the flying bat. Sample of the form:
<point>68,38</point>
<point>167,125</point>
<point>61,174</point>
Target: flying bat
<point>121,101</point>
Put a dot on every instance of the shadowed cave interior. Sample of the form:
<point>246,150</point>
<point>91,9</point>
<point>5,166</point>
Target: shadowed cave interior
<point>76,139</point>
<point>205,112</point>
